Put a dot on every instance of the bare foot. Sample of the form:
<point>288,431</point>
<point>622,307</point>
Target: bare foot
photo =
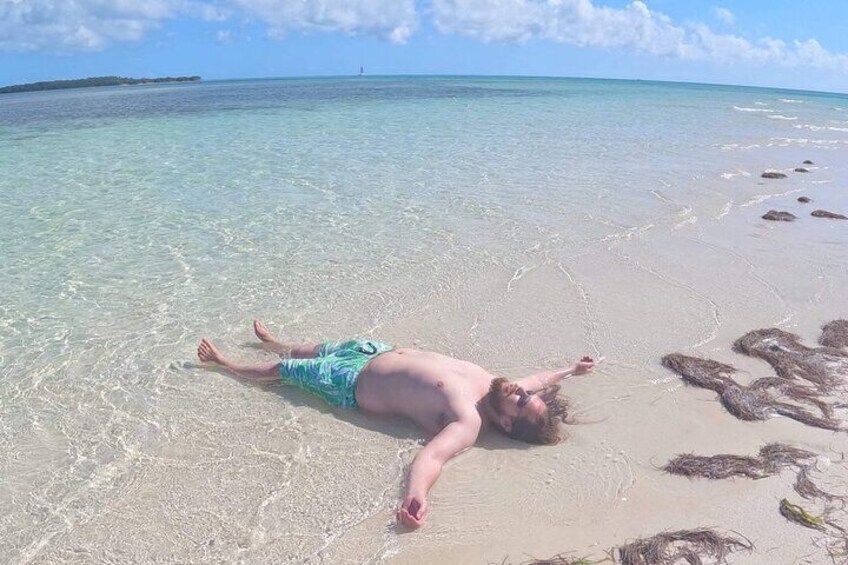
<point>207,352</point>
<point>262,332</point>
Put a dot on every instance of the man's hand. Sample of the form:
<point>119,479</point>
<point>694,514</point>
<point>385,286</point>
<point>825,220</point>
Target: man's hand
<point>413,511</point>
<point>585,365</point>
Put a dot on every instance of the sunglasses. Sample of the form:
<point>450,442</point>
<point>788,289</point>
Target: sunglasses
<point>523,399</point>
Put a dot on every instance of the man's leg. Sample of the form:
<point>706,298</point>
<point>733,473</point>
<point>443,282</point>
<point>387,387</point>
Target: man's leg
<point>285,348</point>
<point>259,372</point>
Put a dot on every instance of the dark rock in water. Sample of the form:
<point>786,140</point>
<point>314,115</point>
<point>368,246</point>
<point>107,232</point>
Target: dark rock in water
<point>777,216</point>
<point>808,162</point>
<point>826,214</point>
<point>801,170</point>
<point>835,334</point>
<point>773,175</point>
<point>804,199</point>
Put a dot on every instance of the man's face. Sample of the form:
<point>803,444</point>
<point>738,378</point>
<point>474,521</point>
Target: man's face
<point>510,401</point>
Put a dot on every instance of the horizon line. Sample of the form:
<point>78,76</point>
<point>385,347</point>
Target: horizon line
<point>357,76</point>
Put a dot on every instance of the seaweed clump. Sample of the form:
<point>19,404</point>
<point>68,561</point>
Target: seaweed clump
<point>824,367</point>
<point>776,456</point>
<point>690,546</point>
<point>810,491</point>
<point>772,458</point>
<point>795,513</point>
<point>564,560</point>
<point>716,466</point>
<point>835,334</point>
<point>667,548</point>
<point>751,403</point>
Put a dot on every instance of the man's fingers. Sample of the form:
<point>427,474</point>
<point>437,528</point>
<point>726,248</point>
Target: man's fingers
<point>409,521</point>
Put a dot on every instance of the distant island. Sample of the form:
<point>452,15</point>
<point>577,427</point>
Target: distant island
<point>92,81</point>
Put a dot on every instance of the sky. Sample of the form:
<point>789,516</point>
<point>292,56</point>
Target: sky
<point>777,43</point>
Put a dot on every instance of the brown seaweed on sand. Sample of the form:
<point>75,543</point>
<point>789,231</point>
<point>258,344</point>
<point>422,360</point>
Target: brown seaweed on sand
<point>776,456</point>
<point>772,458</point>
<point>825,367</point>
<point>694,547</point>
<point>716,466</point>
<point>746,403</point>
<point>690,546</point>
<point>564,560</point>
<point>835,334</point>
<point>704,373</point>
<point>810,491</point>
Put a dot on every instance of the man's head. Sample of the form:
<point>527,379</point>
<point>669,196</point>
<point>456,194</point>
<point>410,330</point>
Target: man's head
<point>531,416</point>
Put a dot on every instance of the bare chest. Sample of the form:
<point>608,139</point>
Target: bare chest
<point>427,388</point>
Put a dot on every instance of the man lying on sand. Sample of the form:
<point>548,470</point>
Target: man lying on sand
<point>451,399</point>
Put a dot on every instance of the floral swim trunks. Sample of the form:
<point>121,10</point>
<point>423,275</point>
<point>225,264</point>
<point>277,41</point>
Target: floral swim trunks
<point>332,374</point>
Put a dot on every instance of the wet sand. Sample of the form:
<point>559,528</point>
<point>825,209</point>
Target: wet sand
<point>630,299</point>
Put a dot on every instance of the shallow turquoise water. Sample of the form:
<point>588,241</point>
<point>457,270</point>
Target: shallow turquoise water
<point>134,220</point>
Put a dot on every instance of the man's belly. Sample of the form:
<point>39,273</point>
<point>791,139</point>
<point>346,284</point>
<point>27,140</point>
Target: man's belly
<point>403,383</point>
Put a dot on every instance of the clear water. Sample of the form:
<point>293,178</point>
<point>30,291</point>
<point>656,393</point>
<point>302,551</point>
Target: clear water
<point>135,220</point>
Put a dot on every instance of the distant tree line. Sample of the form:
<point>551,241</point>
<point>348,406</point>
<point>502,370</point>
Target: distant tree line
<point>92,81</point>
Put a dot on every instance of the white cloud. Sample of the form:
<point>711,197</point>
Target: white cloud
<point>724,15</point>
<point>81,25</point>
<point>634,27</point>
<point>73,25</point>
<point>577,22</point>
<point>394,20</point>
<point>224,36</point>
<point>57,25</point>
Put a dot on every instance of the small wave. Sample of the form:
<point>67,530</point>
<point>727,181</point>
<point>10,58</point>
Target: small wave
<point>725,210</point>
<point>781,117</point>
<point>627,233</point>
<point>819,128</point>
<point>736,173</point>
<point>689,220</point>
<point>743,109</point>
<point>734,146</point>
<point>786,141</point>
<point>662,196</point>
<point>791,101</point>
<point>760,103</point>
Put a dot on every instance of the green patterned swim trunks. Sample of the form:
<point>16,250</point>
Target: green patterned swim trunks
<point>332,374</point>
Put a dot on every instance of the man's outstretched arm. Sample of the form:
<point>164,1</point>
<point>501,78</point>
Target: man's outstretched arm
<point>427,466</point>
<point>548,378</point>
